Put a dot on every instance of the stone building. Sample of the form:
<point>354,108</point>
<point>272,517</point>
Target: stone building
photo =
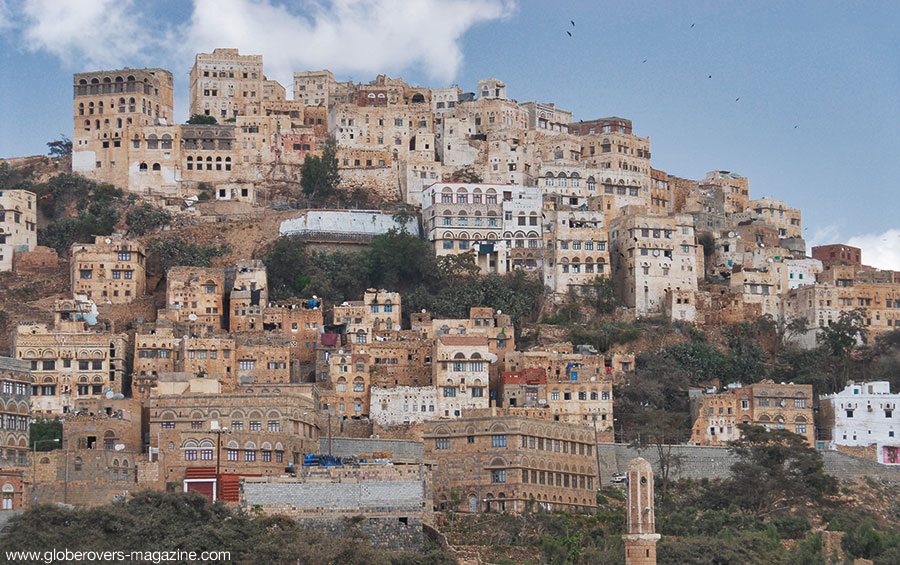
<point>379,310</point>
<point>111,270</point>
<point>249,296</point>
<point>201,434</point>
<point>844,288</point>
<point>156,351</point>
<point>12,487</point>
<point>70,360</point>
<point>576,248</point>
<point>652,256</point>
<point>460,369</point>
<point>508,460</point>
<point>496,326</point>
<point>110,109</point>
<point>226,84</point>
<point>345,392</point>
<point>775,212</point>
<point>735,188</point>
<point>18,225</point>
<point>84,477</point>
<point>15,414</point>
<point>112,424</point>
<point>860,420</point>
<point>767,404</point>
<point>300,322</point>
<point>194,297</point>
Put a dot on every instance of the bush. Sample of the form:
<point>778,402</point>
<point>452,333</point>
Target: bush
<point>174,252</point>
<point>145,217</point>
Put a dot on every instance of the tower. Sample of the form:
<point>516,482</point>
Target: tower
<point>640,535</point>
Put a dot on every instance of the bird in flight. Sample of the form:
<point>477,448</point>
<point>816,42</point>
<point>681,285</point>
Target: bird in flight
<point>573,22</point>
<point>795,127</point>
<point>570,33</point>
<point>644,61</point>
<point>692,25</point>
<point>738,98</point>
<point>710,76</point>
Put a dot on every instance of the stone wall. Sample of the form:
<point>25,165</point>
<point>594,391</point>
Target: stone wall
<point>701,462</point>
<point>400,449</point>
<point>387,532</point>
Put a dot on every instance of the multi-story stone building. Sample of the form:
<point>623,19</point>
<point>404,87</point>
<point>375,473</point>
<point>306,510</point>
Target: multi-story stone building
<point>652,256</point>
<point>205,439</point>
<point>249,296</point>
<point>844,288</point>
<point>70,360</point>
<point>402,405</point>
<point>15,414</point>
<point>735,188</point>
<point>379,310</point>
<point>767,404</point>
<point>111,424</point>
<point>576,248</point>
<point>300,322</point>
<point>460,369</point>
<point>861,417</point>
<point>18,225</point>
<point>194,297</point>
<point>112,269</point>
<point>511,460</point>
<point>110,110</point>
<point>226,84</point>
<point>775,212</point>
<point>346,391</point>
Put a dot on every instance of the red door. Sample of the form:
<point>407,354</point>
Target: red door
<point>203,487</point>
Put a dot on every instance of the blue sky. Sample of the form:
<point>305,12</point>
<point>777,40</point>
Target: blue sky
<point>819,82</point>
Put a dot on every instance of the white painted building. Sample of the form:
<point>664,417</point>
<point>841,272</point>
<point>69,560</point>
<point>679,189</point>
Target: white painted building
<point>864,414</point>
<point>403,405</point>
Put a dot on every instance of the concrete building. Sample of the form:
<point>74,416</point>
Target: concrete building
<point>767,404</point>
<point>511,461</point>
<point>110,270</point>
<point>15,415</point>
<point>652,256</point>
<point>18,225</point>
<point>862,416</point>
<point>403,405</point>
<point>70,360</point>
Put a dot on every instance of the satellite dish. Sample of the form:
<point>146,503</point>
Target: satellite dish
<point>108,240</point>
<point>185,336</point>
<point>109,394</point>
<point>315,297</point>
<point>499,311</point>
<point>731,234</point>
<point>120,446</point>
<point>424,311</point>
<point>656,252</point>
<point>192,317</point>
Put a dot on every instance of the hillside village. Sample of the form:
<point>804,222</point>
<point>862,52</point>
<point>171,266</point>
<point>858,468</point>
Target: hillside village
<point>411,304</point>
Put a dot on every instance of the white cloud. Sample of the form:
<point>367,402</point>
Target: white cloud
<point>346,36</point>
<point>93,34</point>
<point>880,250</point>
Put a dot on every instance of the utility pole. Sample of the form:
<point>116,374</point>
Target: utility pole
<point>597,452</point>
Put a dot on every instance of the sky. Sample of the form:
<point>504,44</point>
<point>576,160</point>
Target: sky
<point>803,99</point>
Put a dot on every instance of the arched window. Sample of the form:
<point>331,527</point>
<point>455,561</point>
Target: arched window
<point>143,167</point>
<point>156,167</point>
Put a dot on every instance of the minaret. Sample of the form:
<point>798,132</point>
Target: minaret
<point>640,534</point>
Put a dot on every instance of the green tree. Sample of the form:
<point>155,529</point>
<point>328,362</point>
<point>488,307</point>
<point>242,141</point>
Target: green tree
<point>61,147</point>
<point>601,292</point>
<point>42,432</point>
<point>776,469</point>
<point>201,119</point>
<point>175,251</point>
<point>660,431</point>
<point>840,338</point>
<point>319,175</point>
<point>146,217</point>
